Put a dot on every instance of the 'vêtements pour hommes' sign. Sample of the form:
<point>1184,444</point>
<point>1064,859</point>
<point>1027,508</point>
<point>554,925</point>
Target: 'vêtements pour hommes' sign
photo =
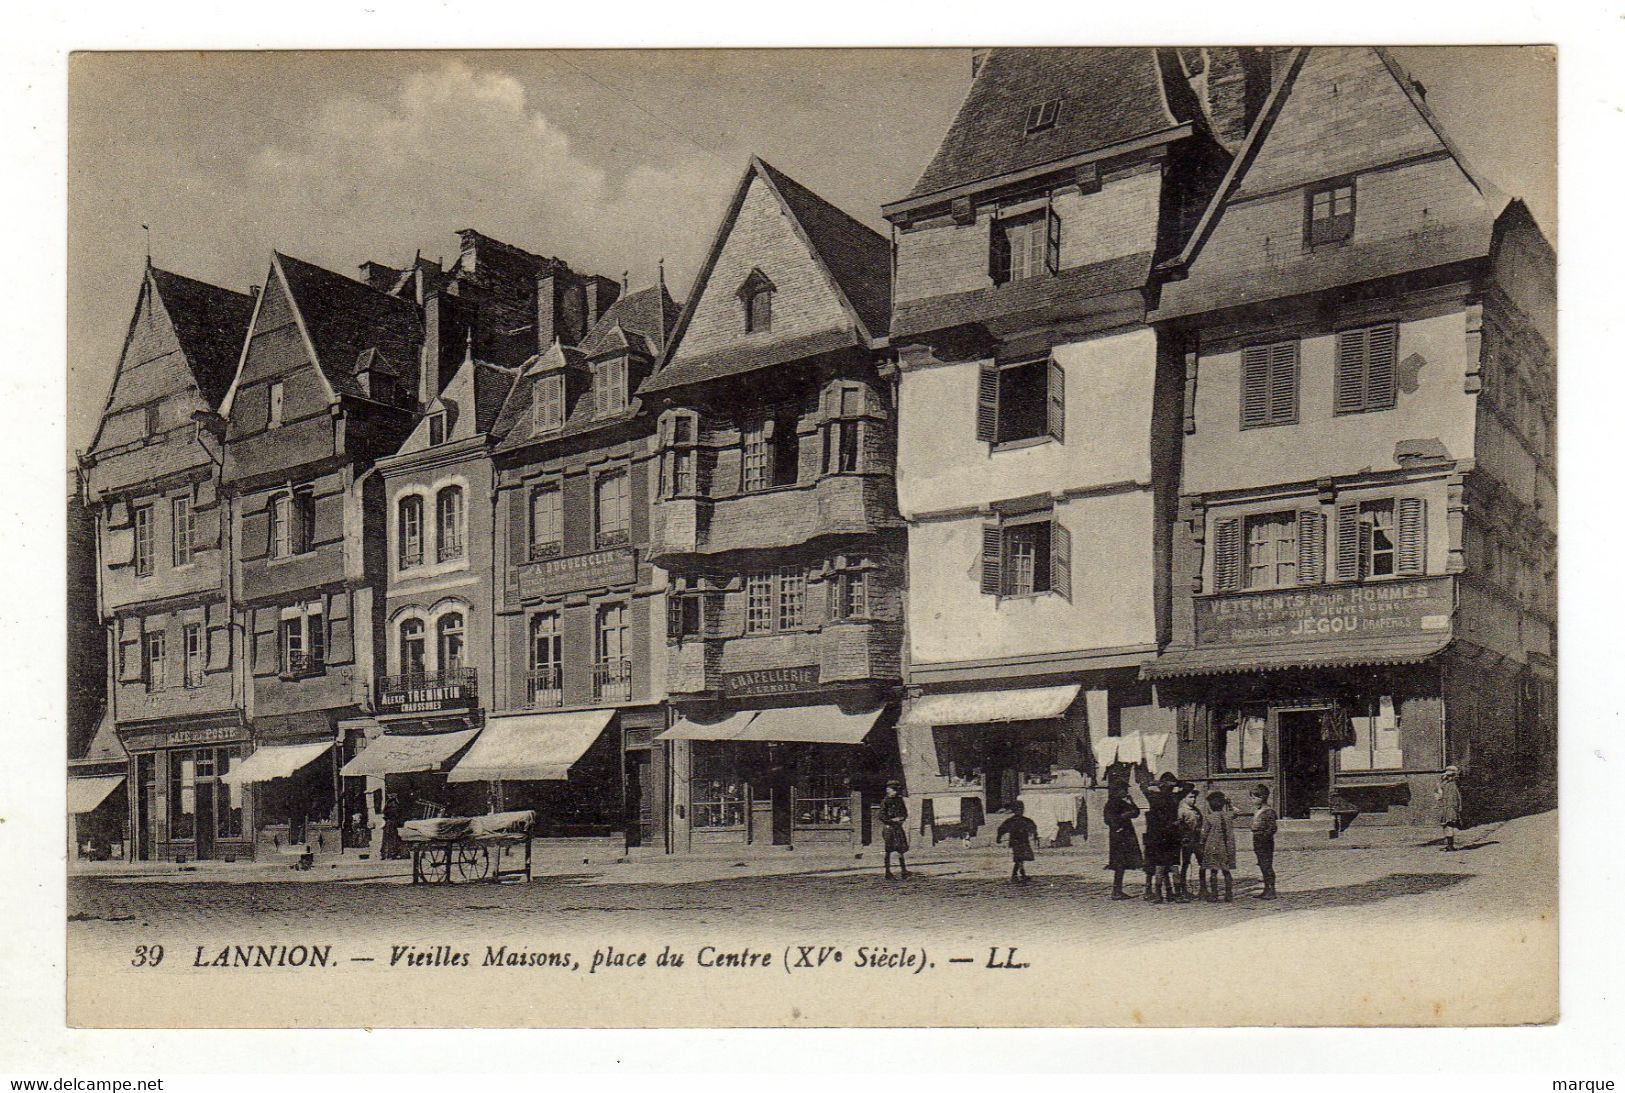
<point>1289,616</point>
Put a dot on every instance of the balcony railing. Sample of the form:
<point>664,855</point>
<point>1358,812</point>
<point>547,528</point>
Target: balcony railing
<point>420,692</point>
<point>544,687</point>
<point>301,664</point>
<point>450,547</point>
<point>612,680</point>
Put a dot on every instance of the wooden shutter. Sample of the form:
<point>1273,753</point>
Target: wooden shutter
<point>266,659</point>
<point>1060,559</point>
<point>1226,555</point>
<point>1311,546</point>
<point>992,559</point>
<point>1350,384</point>
<point>206,527</point>
<point>1052,242</point>
<point>1382,344</point>
<point>998,253</point>
<point>1283,383</point>
<point>987,403</point>
<point>1348,541</point>
<point>1057,401</point>
<point>1255,386</point>
<point>1413,537</point>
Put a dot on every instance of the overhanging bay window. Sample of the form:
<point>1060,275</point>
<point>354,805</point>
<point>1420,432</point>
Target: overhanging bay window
<point>845,429</point>
<point>679,454</point>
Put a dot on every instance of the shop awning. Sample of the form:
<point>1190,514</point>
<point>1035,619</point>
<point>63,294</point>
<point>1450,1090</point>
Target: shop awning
<point>980,707</point>
<point>531,748</point>
<point>400,753</point>
<point>84,794</point>
<point>810,725</point>
<point>275,761</point>
<point>729,728</point>
<point>1227,659</point>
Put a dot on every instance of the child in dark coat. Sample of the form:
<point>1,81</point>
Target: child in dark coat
<point>1023,835</point>
<point>1219,846</point>
<point>1161,838</point>
<point>1190,842</point>
<point>893,815</point>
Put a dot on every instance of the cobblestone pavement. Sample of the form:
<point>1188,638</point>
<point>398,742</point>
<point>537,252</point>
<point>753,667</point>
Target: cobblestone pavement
<point>1502,872</point>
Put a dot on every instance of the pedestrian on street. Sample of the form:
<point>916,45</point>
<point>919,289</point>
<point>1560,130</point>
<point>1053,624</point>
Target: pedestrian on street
<point>1123,844</point>
<point>893,817</point>
<point>1219,847</point>
<point>1161,838</point>
<point>1023,834</point>
<point>1264,826</point>
<point>1190,841</point>
<point>1449,797</point>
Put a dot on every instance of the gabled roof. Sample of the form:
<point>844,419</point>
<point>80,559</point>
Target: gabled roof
<point>1107,96</point>
<point>344,318</point>
<point>1267,115</point>
<point>855,259</point>
<point>210,323</point>
<point>641,320</point>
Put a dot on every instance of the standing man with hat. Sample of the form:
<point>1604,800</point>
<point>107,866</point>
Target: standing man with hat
<point>1123,844</point>
<point>1449,797</point>
<point>893,817</point>
<point>1161,838</point>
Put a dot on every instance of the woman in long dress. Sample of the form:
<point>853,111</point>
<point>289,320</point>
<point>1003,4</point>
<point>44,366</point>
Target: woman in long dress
<point>893,817</point>
<point>1123,844</point>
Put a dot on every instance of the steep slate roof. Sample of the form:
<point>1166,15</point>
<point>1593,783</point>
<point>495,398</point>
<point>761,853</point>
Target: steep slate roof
<point>640,320</point>
<point>491,386</point>
<point>344,318</point>
<point>856,258</point>
<point>1107,96</point>
<point>210,323</point>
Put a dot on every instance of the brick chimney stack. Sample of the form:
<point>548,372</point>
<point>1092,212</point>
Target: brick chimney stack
<point>1231,84</point>
<point>601,296</point>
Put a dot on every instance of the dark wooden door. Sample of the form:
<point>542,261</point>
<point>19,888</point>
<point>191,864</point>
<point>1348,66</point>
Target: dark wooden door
<point>1306,772</point>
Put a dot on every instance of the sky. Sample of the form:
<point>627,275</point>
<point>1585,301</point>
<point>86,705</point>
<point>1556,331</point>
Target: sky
<point>609,160</point>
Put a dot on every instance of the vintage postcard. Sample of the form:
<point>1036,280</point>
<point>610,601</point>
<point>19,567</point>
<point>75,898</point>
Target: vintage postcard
<point>939,537</point>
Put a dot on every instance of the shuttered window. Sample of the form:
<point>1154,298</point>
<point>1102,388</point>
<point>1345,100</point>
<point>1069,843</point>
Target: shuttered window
<point>1380,538</point>
<point>1269,550</point>
<point>1226,554</point>
<point>1311,547</point>
<point>1030,555</point>
<point>1269,385</point>
<point>1025,400</point>
<point>1024,247</point>
<point>1365,369</point>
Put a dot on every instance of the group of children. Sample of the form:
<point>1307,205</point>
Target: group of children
<point>1180,831</point>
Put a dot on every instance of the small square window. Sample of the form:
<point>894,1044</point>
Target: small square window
<point>1329,213</point>
<point>1042,115</point>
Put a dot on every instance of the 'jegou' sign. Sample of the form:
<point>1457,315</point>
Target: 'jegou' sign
<point>1289,616</point>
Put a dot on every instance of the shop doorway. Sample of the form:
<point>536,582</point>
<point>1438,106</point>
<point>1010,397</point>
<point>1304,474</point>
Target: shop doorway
<point>1306,770</point>
<point>639,799</point>
<point>146,789</point>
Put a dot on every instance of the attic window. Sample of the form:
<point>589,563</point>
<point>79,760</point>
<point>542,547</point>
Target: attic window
<point>1329,212</point>
<point>756,294</point>
<point>1042,115</point>
<point>437,428</point>
<point>549,404</point>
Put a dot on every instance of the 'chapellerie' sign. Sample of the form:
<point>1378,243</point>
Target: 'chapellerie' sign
<point>771,681</point>
<point>1330,613</point>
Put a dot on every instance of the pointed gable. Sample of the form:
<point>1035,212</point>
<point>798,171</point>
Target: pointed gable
<point>344,318</point>
<point>830,279</point>
<point>1341,115</point>
<point>471,402</point>
<point>178,354</point>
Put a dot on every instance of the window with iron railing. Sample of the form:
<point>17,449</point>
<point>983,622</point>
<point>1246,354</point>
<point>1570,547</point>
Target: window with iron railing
<point>544,684</point>
<point>612,505</point>
<point>546,522</point>
<point>410,531</point>
<point>612,672</point>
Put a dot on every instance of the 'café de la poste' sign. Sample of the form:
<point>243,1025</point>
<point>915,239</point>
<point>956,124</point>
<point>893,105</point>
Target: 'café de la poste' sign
<point>1326,613</point>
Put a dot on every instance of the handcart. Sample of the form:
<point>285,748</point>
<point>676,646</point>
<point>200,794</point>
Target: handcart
<point>465,849</point>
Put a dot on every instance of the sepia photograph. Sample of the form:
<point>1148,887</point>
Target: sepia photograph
<point>1015,536</point>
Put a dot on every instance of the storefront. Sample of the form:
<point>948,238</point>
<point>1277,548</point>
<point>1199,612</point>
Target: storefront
<point>565,766</point>
<point>1334,698</point>
<point>969,755</point>
<point>399,772</point>
<point>182,809</point>
<point>99,799</point>
<point>792,775</point>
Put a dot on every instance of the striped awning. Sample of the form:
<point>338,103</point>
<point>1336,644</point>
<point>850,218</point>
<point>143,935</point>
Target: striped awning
<point>731,727</point>
<point>406,753</point>
<point>988,707</point>
<point>538,747</point>
<point>85,794</point>
<point>1230,659</point>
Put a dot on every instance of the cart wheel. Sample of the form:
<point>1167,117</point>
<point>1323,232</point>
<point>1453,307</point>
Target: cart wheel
<point>473,863</point>
<point>437,865</point>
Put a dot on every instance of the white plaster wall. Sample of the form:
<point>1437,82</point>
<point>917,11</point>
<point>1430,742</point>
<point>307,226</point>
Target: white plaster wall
<point>1221,455</point>
<point>1112,601</point>
<point>1109,384</point>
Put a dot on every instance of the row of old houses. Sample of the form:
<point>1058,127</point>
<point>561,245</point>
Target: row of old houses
<point>1197,415</point>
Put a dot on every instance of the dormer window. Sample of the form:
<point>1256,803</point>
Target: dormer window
<point>548,407</point>
<point>437,428</point>
<point>756,295</point>
<point>609,385</point>
<point>1042,115</point>
<point>1329,212</point>
<point>1024,246</point>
